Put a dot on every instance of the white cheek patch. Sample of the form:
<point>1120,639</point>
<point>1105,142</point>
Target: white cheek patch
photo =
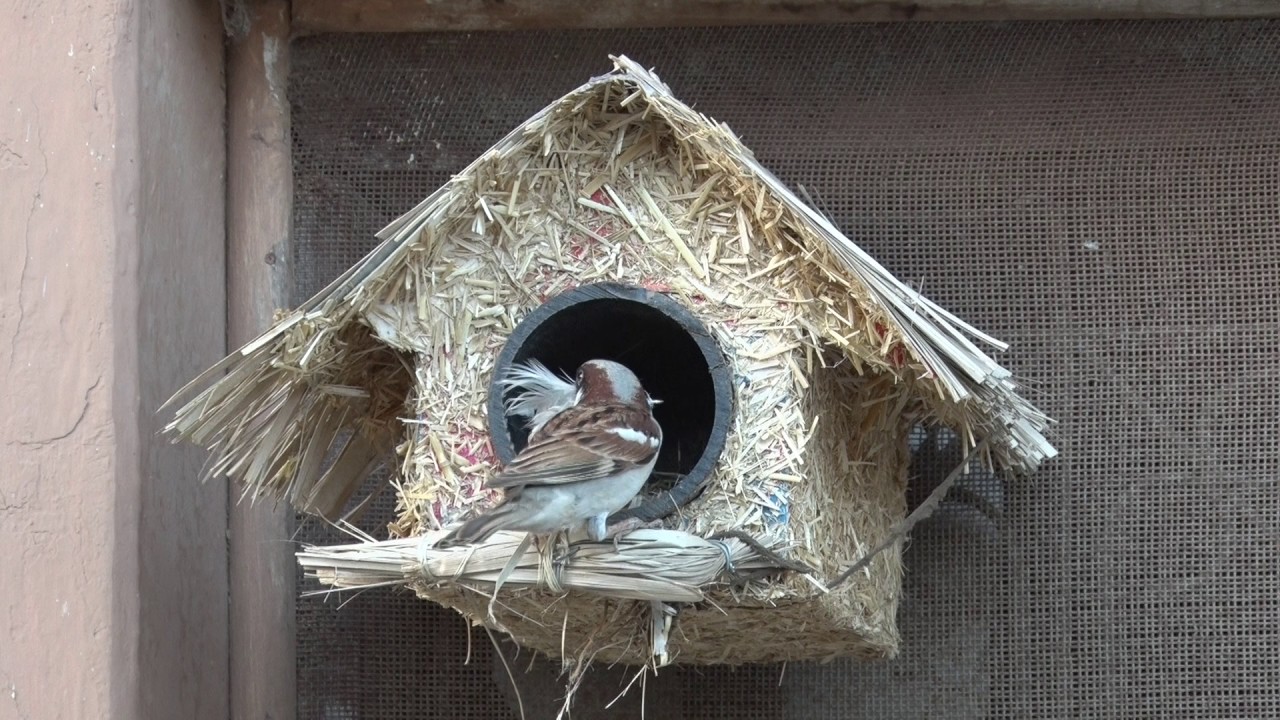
<point>635,436</point>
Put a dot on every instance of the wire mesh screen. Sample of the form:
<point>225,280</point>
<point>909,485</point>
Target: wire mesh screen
<point>1104,196</point>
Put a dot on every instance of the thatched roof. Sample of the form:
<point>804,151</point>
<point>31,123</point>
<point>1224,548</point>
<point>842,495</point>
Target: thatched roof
<point>328,377</point>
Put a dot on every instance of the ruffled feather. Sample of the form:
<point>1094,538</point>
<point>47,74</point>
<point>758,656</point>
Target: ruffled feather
<point>545,394</point>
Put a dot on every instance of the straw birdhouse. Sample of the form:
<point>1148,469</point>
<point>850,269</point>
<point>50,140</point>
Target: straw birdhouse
<point>619,223</point>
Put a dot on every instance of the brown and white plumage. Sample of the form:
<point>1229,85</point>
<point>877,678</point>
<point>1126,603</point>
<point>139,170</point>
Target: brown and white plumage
<point>582,464</point>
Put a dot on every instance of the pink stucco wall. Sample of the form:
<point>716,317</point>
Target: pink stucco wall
<point>112,559</point>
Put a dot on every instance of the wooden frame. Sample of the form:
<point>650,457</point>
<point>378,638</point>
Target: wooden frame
<point>318,16</point>
<point>263,667</point>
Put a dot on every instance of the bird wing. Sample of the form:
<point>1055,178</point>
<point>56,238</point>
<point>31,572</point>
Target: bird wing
<point>583,444</point>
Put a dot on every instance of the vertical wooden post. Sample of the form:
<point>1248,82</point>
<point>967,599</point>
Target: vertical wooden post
<point>259,210</point>
<point>113,585</point>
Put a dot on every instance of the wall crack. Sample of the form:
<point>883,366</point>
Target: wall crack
<point>26,240</point>
<point>84,411</point>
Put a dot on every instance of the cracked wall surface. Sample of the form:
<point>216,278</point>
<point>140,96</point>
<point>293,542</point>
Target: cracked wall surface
<point>113,600</point>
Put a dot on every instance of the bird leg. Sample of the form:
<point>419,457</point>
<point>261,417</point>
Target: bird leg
<point>596,527</point>
<point>562,559</point>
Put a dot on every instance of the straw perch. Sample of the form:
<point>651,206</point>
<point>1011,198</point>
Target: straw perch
<point>653,564</point>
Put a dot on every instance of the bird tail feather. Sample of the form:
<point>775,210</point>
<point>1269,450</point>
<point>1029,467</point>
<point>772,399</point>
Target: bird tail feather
<point>478,528</point>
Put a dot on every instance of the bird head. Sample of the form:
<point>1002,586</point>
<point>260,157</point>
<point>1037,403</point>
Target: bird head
<point>604,382</point>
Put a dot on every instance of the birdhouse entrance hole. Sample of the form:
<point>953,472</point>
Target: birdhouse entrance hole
<point>665,345</point>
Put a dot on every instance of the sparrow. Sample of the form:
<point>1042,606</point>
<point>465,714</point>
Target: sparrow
<point>592,445</point>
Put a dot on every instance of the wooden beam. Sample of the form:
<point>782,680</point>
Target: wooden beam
<point>318,16</point>
<point>259,213</point>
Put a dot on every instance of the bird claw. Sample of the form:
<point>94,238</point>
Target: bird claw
<point>562,559</point>
<point>631,524</point>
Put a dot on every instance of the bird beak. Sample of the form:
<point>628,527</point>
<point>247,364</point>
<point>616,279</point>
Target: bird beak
<point>654,401</point>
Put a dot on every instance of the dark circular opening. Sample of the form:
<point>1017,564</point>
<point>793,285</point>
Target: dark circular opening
<point>668,348</point>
